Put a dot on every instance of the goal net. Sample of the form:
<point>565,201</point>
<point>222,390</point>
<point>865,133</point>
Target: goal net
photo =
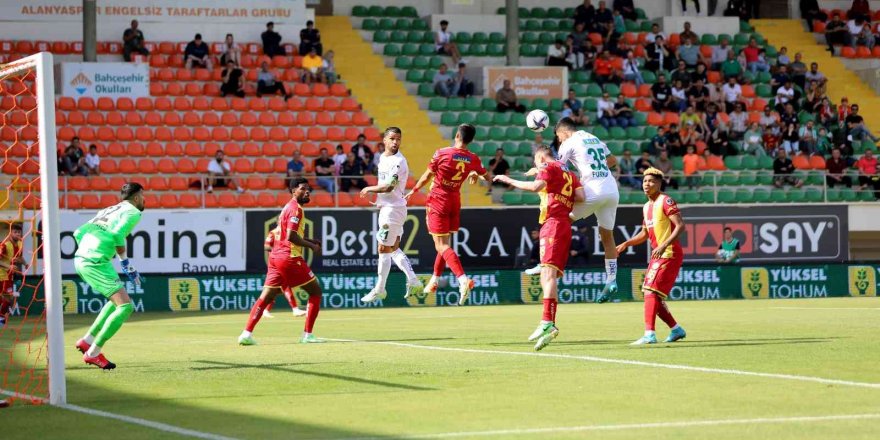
<point>31,304</point>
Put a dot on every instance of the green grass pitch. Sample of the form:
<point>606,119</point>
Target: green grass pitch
<point>186,370</point>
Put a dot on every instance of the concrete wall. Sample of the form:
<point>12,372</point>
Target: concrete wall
<point>654,8</point>
<point>701,25</point>
<point>470,23</point>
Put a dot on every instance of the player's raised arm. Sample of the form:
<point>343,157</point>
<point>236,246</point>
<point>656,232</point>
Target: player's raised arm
<point>533,186</point>
<point>423,180</point>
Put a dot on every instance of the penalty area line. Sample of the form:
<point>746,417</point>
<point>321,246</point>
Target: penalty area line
<point>631,426</point>
<point>123,418</point>
<point>793,377</point>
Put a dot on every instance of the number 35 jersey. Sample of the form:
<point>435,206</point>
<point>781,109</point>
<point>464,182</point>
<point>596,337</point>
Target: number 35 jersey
<point>588,154</point>
<point>451,167</point>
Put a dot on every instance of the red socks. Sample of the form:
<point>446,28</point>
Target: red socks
<point>439,265</point>
<point>291,299</point>
<point>549,310</point>
<point>452,261</point>
<point>256,314</point>
<point>655,306</point>
<point>312,312</point>
<point>665,315</point>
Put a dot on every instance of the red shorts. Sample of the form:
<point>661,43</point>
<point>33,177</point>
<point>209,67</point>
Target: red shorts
<point>443,218</point>
<point>288,272</point>
<point>555,243</point>
<point>661,275</point>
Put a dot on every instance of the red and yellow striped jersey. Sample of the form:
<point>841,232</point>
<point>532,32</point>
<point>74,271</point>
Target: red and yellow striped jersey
<point>291,220</point>
<point>9,251</point>
<point>658,225</point>
<point>557,197</point>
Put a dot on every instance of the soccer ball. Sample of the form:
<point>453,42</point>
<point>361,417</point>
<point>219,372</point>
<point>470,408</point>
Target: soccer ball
<point>537,120</point>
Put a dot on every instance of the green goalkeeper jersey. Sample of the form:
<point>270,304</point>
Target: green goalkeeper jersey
<point>98,239</point>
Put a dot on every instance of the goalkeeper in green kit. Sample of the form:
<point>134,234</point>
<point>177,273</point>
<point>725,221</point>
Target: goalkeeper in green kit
<point>98,241</point>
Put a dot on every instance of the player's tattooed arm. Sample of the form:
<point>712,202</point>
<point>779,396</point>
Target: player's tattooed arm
<point>423,180</point>
<point>533,186</point>
<point>381,188</point>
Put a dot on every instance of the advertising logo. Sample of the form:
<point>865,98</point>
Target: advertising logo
<point>81,83</point>
<point>862,281</point>
<point>421,299</point>
<point>184,294</point>
<point>638,280</point>
<point>531,289</point>
<point>755,282</point>
<point>69,296</point>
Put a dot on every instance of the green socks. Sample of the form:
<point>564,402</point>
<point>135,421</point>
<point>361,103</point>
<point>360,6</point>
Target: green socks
<point>102,317</point>
<point>113,323</point>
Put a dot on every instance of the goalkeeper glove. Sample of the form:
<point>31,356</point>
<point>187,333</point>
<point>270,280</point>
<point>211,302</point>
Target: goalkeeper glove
<point>131,272</point>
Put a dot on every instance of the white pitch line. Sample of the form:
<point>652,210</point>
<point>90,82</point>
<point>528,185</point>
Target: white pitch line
<point>630,426</point>
<point>826,308</point>
<point>631,362</point>
<point>128,419</point>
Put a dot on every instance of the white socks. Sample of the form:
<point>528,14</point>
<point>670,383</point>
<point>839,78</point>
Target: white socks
<point>649,332</point>
<point>93,351</point>
<point>463,280</point>
<point>402,262</point>
<point>384,268</point>
<point>245,334</point>
<point>89,339</point>
<point>611,270</point>
<point>433,280</point>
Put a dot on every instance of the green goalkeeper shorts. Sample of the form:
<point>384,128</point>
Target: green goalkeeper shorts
<point>100,275</point>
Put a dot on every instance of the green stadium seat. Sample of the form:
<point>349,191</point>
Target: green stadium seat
<point>550,25</point>
<point>815,195</point>
<point>497,38</point>
<point>765,162</point>
<point>418,62</point>
<point>691,197</point>
<point>600,132</point>
<point>556,13</point>
<point>726,195</point>
<point>370,24</point>
<point>495,50</point>
<point>594,91</point>
<point>866,196</point>
<point>497,134</point>
<point>728,178</point>
<point>640,14</point>
<point>580,77</point>
<point>650,132</point>
<point>674,194</point>
<point>436,62</point>
<point>415,36</point>
<point>405,63</point>
<point>761,195</point>
<point>415,75</point>
<point>480,38</point>
<point>778,195</point>
<point>426,90</point>
<point>359,11</point>
<point>523,163</point>
<point>376,11</point>
<point>848,195</point>
<point>707,196</point>
<point>748,178</point>
<point>463,38</point>
<point>391,50</point>
<point>473,104</point>
<point>641,119</point>
<point>612,89</point>
<point>467,118</point>
<point>524,149</point>
<point>764,90</point>
<point>488,104</point>
<point>538,13</point>
<point>797,195</point>
<point>646,26</point>
<point>404,24</point>
<point>514,133</point>
<point>546,39</point>
<point>518,119</point>
<point>530,198</point>
<point>455,104</point>
<point>632,26</point>
<point>617,133</point>
<point>478,50</point>
<point>427,49</point>
<point>540,103</point>
<point>464,49</point>
<point>529,38</point>
<point>616,148</point>
<point>420,25</point>
<point>528,50</point>
<point>387,24</point>
<point>511,198</point>
<point>709,39</point>
<point>382,37</point>
<point>834,195</point>
<point>484,119</point>
<point>409,11</point>
<point>501,118</point>
<point>556,105</point>
<point>527,103</point>
<point>744,195</point>
<point>733,162</point>
<point>749,162</point>
<point>448,119</point>
<point>649,77</point>
<point>407,49</point>
<point>509,148</point>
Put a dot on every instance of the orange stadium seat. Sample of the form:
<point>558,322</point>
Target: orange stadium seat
<point>219,104</point>
<point>220,134</point>
<point>250,149</point>
<point>187,166</point>
<point>271,149</point>
<point>320,89</point>
<point>341,118</point>
<point>76,118</point>
<point>350,104</point>
<point>324,118</point>
<point>277,134</point>
<point>116,149</point>
<point>168,201</point>
<point>78,183</point>
<point>201,134</point>
<point>263,165</point>
<point>817,162</point>
<point>305,118</point>
<point>66,103</point>
<point>300,89</point>
<point>157,183</point>
<point>335,134</point>
<point>136,149</point>
<point>72,201</point>
<point>189,200</point>
<point>85,103</point>
<point>193,149</point>
<point>210,119</point>
<point>239,104</point>
<point>247,200</point>
<point>800,162</point>
<point>157,89</point>
<point>113,118</point>
<point>266,200</point>
<point>229,119</point>
<point>146,166</point>
<point>163,134</point>
<point>249,119</point>
<point>316,134</point>
<point>277,104</point>
<point>322,199</point>
<point>91,201</point>
<point>314,104</point>
<point>127,166</point>
<point>257,105</point>
<point>276,183</point>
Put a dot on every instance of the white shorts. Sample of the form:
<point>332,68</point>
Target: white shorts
<point>391,220</point>
<point>602,204</point>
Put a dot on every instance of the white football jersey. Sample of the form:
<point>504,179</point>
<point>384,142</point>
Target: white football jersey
<point>588,154</point>
<point>393,169</point>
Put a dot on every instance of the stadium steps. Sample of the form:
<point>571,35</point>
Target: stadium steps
<point>384,97</point>
<point>841,81</point>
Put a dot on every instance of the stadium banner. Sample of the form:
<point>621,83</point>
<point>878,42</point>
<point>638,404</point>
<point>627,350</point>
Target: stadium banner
<point>169,241</point>
<point>255,12</point>
<point>187,292</point>
<point>111,80</point>
<point>528,82</point>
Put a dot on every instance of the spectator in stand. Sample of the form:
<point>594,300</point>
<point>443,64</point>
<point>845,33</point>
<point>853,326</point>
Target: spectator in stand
<point>295,166</point>
<point>783,171</point>
<point>642,165</point>
<point>328,67</point>
<point>659,142</point>
<point>691,164</point>
<point>577,109</point>
<point>465,86</point>
<point>689,135</point>
<point>689,53</point>
<point>854,28</point>
<point>603,23</point>
<point>810,11</point>
<point>133,41</point>
<point>498,166</point>
<point>618,48</point>
<point>673,141</point>
<point>788,116</point>
<point>231,51</point>
<point>658,55</point>
<point>352,174</point>
<point>754,58</point>
<point>604,71</point>
<point>823,143</point>
<point>444,83</point>
<point>798,70</point>
<point>731,68</point>
<point>681,74</point>
<point>623,113</point>
<point>310,38</point>
<point>865,37</point>
<point>505,99</point>
<point>605,111</point>
<point>272,41</point>
<point>752,141</point>
<point>631,70</point>
<point>689,117</point>
<point>661,94</point>
<point>443,43</point>
<point>324,170</point>
<point>720,53</point>
<point>843,111</point>
<point>679,97</point>
<point>655,32</point>
<point>590,54</point>
<point>619,25</point>
<point>710,117</point>
<point>92,161</point>
<point>739,120</point>
<point>698,96</point>
<point>719,141</point>
<point>556,55</point>
<point>232,80</point>
<point>362,151</point>
<point>578,37</point>
<point>782,58</point>
<point>380,150</point>
<point>220,173</point>
<point>579,252</point>
<point>855,126</point>
<point>790,139</point>
<point>700,73</point>
<point>835,168</point>
<point>584,14</point>
<point>808,138</point>
<point>732,94</point>
<point>266,83</point>
<point>338,159</point>
<point>687,33</point>
<point>716,96</point>
<point>197,54</point>
<point>626,170</point>
<point>815,75</point>
<point>867,166</point>
<point>312,65</point>
<point>73,160</point>
<point>771,141</point>
<point>836,32</point>
<point>626,9</point>
<point>663,163</point>
<point>770,119</point>
<point>779,78</point>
